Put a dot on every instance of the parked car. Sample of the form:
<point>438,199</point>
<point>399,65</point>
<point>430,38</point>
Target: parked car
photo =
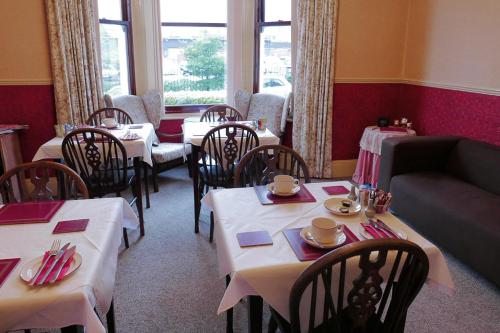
<point>276,85</point>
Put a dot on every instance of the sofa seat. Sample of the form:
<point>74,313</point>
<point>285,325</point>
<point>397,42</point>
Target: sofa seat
<point>449,214</point>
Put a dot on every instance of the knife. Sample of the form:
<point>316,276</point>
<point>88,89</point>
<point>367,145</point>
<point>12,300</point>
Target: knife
<point>56,259</point>
<point>67,255</point>
<point>384,226</point>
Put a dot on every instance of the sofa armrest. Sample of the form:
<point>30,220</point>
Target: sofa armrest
<point>413,154</point>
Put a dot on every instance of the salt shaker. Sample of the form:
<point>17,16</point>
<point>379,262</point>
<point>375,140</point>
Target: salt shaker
<point>352,195</point>
<point>370,209</point>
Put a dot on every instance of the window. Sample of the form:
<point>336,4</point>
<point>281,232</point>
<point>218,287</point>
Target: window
<point>194,51</point>
<point>273,56</point>
<point>116,47</point>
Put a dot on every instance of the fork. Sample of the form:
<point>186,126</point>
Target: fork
<point>52,252</point>
<point>378,230</point>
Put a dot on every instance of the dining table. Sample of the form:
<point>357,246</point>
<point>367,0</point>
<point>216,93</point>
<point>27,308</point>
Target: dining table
<point>73,300</point>
<point>139,150</point>
<point>194,132</point>
<point>267,273</point>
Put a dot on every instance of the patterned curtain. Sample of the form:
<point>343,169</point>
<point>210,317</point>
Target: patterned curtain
<point>313,84</point>
<point>76,68</point>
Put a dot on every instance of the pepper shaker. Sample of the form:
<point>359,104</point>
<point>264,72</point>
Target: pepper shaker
<point>370,209</point>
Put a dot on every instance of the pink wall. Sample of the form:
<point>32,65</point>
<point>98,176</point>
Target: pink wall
<point>31,105</point>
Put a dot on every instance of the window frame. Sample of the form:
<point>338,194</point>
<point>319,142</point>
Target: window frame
<point>259,24</point>
<point>190,108</point>
<point>126,22</point>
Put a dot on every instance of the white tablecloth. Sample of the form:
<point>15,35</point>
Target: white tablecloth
<point>135,148</point>
<point>270,271</point>
<point>71,301</point>
<point>372,138</point>
<point>195,131</point>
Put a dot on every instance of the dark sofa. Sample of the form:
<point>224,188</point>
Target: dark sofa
<point>448,189</point>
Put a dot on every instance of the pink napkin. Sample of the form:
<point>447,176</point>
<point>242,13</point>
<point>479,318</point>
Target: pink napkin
<point>55,269</point>
<point>335,190</point>
<point>376,233</point>
<point>6,267</point>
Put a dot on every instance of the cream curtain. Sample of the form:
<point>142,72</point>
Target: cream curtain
<point>76,68</point>
<point>313,84</point>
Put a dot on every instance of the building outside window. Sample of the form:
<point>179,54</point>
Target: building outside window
<point>194,45</point>
<point>115,44</point>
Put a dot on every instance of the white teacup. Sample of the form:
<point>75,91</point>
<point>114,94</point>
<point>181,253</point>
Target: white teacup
<point>109,122</point>
<point>284,184</point>
<point>325,230</point>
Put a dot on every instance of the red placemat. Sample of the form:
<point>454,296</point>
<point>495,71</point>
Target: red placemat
<point>306,252</point>
<point>71,226</point>
<point>6,266</point>
<point>335,190</point>
<point>393,129</point>
<point>267,198</point>
<point>29,212</point>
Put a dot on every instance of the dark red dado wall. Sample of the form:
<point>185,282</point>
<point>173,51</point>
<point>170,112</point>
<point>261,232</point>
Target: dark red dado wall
<point>436,111</point>
<point>31,105</point>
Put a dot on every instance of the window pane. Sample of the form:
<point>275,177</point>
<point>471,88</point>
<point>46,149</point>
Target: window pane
<point>277,10</point>
<point>110,9</point>
<point>114,56</point>
<point>194,65</point>
<point>275,61</point>
<point>198,11</point>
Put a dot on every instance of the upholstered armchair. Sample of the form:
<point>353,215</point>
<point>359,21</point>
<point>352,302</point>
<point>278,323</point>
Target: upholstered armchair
<point>272,107</point>
<point>148,108</point>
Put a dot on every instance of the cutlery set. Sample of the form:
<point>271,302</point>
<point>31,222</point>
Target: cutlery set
<point>381,228</point>
<point>53,263</point>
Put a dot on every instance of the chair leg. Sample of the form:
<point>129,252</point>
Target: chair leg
<point>125,238</point>
<point>110,318</point>
<point>198,207</point>
<point>190,172</point>
<point>212,225</point>
<point>273,325</point>
<point>229,312</point>
<point>155,177</point>
<point>146,185</point>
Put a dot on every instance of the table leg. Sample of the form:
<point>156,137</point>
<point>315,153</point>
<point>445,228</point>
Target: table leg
<point>138,192</point>
<point>196,193</point>
<point>255,314</point>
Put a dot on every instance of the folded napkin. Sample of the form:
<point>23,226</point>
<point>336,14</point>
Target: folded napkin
<point>71,226</point>
<point>376,233</point>
<point>335,190</point>
<point>55,269</point>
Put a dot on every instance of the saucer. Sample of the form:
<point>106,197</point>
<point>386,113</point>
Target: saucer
<point>334,204</point>
<point>294,191</point>
<point>341,238</point>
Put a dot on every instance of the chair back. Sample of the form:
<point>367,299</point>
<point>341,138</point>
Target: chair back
<point>260,165</point>
<point>100,159</point>
<point>147,108</point>
<point>221,112</point>
<point>32,182</point>
<point>121,117</point>
<point>353,295</point>
<point>272,107</point>
<point>221,148</point>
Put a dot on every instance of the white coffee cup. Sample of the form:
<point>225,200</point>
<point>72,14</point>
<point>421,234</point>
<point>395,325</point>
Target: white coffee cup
<point>284,184</point>
<point>325,230</point>
<point>109,122</point>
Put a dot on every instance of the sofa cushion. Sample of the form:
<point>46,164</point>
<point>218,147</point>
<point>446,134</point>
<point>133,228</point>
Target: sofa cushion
<point>477,163</point>
<point>459,216</point>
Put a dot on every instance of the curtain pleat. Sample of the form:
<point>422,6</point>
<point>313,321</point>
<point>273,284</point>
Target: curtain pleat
<point>313,84</point>
<point>75,64</point>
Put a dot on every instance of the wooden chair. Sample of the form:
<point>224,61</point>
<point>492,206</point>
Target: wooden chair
<point>14,187</point>
<point>221,149</point>
<point>260,165</point>
<point>121,117</point>
<point>101,160</point>
<point>373,304</point>
<point>221,112</point>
